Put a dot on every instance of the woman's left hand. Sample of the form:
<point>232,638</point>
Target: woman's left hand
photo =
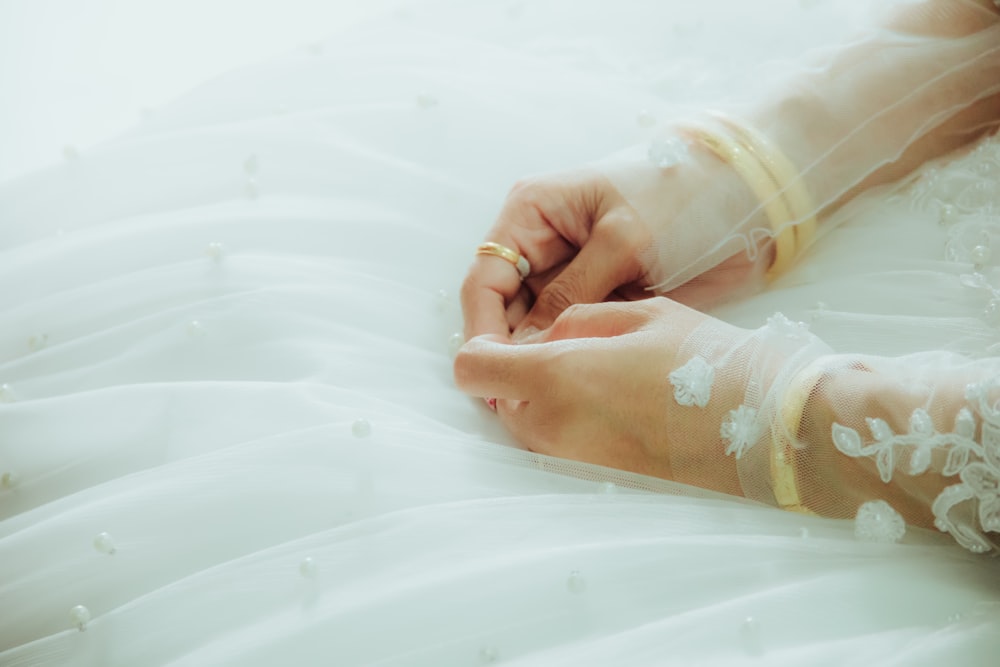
<point>594,387</point>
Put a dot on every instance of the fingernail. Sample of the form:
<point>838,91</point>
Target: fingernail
<point>492,403</point>
<point>525,333</point>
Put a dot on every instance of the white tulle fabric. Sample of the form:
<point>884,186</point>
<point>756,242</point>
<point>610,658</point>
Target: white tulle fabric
<point>229,431</point>
<point>841,117</point>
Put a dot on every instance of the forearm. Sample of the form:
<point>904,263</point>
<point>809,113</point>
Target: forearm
<point>921,83</point>
<point>915,431</point>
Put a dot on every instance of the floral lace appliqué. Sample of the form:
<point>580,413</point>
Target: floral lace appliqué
<point>693,382</point>
<point>877,521</point>
<point>977,464</point>
<point>740,431</point>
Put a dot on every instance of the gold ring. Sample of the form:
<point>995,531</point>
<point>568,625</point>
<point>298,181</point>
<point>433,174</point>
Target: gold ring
<point>503,252</point>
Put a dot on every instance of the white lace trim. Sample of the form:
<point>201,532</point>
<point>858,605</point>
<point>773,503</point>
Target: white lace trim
<point>693,382</point>
<point>977,464</point>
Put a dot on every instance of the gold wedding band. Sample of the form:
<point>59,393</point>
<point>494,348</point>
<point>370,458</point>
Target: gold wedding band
<point>503,252</point>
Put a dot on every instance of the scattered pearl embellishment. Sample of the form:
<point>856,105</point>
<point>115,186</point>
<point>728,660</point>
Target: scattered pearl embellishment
<point>576,583</point>
<point>426,100</point>
<point>105,544</point>
<point>877,521</point>
<point>750,636</point>
<point>608,488</point>
<point>361,428</point>
<point>308,568</point>
<point>9,480</point>
<point>7,394</point>
<point>441,300</point>
<point>36,343</point>
<point>80,616</point>
<point>214,250</point>
<point>195,329</point>
<point>645,119</point>
<point>251,164</point>
<point>488,655</point>
<point>949,215</point>
<point>980,255</point>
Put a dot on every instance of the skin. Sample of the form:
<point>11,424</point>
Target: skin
<point>592,388</point>
<point>589,382</point>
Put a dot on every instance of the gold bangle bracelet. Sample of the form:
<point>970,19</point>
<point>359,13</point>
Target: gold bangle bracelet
<point>785,175</point>
<point>763,186</point>
<point>784,481</point>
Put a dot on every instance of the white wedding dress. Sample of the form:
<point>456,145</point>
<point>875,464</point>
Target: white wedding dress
<point>229,433</point>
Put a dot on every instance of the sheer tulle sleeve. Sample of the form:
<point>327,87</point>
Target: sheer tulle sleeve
<point>914,438</point>
<point>922,80</point>
<point>888,441</point>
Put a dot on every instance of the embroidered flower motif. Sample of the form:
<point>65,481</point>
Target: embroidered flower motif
<point>877,521</point>
<point>740,430</point>
<point>977,464</point>
<point>693,382</point>
<point>785,327</point>
<point>667,153</point>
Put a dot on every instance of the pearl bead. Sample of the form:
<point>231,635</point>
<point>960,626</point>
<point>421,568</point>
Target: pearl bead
<point>981,254</point>
<point>575,583</point>
<point>361,428</point>
<point>252,190</point>
<point>80,616</point>
<point>608,488</point>
<point>948,215</point>
<point>750,636</point>
<point>9,480</point>
<point>195,329</point>
<point>70,152</point>
<point>992,312</point>
<point>489,654</point>
<point>441,300</point>
<point>308,568</point>
<point>7,394</point>
<point>645,119</point>
<point>804,533</point>
<point>455,343</point>
<point>105,544</point>
<point>37,342</point>
<point>426,100</point>
<point>251,164</point>
<point>214,250</point>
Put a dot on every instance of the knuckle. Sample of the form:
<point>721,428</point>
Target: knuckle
<point>561,295</point>
<point>529,193</point>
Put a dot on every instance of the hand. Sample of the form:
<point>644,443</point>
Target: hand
<point>587,243</point>
<point>583,241</point>
<point>594,387</point>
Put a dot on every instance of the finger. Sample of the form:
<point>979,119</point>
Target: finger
<point>489,367</point>
<point>598,320</point>
<point>607,261</point>
<point>540,220</point>
<point>492,282</point>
